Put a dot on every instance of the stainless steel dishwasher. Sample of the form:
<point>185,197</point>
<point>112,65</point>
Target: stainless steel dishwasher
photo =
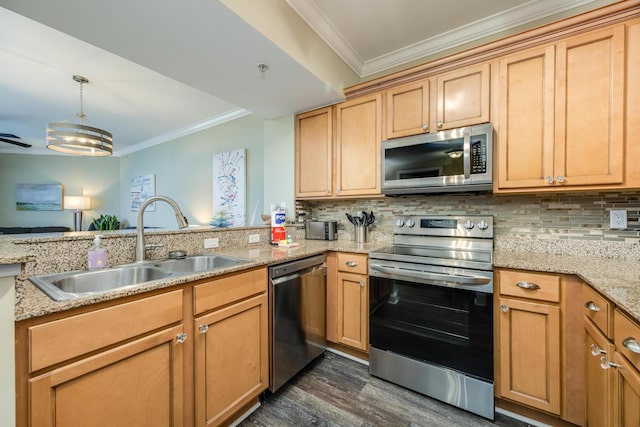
<point>297,300</point>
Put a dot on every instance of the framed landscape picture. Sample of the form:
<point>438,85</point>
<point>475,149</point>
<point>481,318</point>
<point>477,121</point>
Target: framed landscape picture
<point>39,197</point>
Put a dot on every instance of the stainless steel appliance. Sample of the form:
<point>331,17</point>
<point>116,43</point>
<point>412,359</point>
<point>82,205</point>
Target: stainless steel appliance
<point>445,161</point>
<point>431,309</point>
<point>321,230</point>
<point>297,300</point>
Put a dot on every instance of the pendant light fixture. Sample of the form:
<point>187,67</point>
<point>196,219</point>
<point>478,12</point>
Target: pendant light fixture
<point>80,139</point>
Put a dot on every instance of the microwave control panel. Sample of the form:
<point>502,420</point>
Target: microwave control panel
<point>478,157</point>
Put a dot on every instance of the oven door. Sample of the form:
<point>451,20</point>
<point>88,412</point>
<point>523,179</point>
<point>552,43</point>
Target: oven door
<point>441,325</point>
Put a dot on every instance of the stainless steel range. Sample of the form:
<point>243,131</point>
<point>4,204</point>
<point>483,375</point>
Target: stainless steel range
<point>431,309</point>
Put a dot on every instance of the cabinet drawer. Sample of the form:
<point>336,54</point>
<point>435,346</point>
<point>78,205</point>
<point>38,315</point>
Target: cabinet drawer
<point>352,263</point>
<point>627,338</point>
<point>598,309</point>
<point>525,284</point>
<point>63,339</point>
<point>228,289</point>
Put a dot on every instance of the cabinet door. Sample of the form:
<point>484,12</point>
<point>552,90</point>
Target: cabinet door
<point>590,108</point>
<point>530,353</point>
<point>357,147</point>
<point>462,97</point>
<point>136,384</point>
<point>407,110</point>
<point>313,163</point>
<point>231,359</point>
<point>525,108</point>
<point>353,310</point>
<point>627,394</point>
<point>599,387</point>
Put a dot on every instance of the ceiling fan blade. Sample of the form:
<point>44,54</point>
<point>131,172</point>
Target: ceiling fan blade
<point>21,144</point>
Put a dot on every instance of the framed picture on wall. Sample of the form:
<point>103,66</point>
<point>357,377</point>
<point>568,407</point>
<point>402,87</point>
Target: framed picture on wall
<point>39,197</point>
<point>142,187</point>
<point>229,189</point>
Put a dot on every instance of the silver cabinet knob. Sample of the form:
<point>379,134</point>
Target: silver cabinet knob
<point>504,308</point>
<point>182,337</point>
<point>560,179</point>
<point>351,264</point>
<point>425,128</point>
<point>596,350</point>
<point>363,283</point>
<point>592,306</point>
<point>203,329</point>
<point>605,364</point>
<point>549,179</point>
<point>631,344</point>
<point>439,124</point>
<point>528,285</point>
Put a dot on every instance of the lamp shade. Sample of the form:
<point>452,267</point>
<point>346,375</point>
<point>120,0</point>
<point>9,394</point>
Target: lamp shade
<point>77,202</point>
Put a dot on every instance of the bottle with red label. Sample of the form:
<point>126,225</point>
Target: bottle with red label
<point>278,219</point>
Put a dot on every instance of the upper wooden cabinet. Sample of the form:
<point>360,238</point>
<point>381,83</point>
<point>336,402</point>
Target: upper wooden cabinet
<point>462,97</point>
<point>338,150</point>
<point>449,100</point>
<point>313,162</point>
<point>561,114</point>
<point>407,110</point>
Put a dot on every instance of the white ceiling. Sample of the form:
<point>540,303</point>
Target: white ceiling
<point>161,69</point>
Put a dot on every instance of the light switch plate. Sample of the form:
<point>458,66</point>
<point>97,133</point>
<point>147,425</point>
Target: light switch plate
<point>254,238</point>
<point>618,219</point>
<point>211,243</point>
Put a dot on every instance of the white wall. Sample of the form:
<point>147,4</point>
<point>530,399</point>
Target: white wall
<point>183,170</point>
<point>279,169</point>
<point>88,176</point>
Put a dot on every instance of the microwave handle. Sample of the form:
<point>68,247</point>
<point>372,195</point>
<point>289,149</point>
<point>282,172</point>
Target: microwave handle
<point>466,148</point>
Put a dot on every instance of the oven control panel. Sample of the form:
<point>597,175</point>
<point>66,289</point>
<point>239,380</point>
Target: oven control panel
<point>480,226</point>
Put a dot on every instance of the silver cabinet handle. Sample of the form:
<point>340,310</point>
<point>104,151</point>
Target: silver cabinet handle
<point>528,285</point>
<point>560,179</point>
<point>549,180</point>
<point>181,337</point>
<point>351,264</point>
<point>439,124</point>
<point>203,329</point>
<point>504,308</point>
<point>631,344</point>
<point>363,283</point>
<point>592,306</point>
<point>605,364</point>
<point>596,350</point>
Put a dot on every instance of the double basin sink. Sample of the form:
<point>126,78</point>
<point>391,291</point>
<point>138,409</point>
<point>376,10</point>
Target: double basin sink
<point>75,284</point>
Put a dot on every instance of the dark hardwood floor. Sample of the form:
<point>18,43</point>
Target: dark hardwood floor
<point>336,391</point>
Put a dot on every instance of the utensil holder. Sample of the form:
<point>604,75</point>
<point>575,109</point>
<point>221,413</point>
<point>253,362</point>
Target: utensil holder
<point>361,234</point>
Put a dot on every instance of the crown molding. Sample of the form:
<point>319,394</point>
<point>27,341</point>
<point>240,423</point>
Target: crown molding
<point>505,20</point>
<point>228,116</point>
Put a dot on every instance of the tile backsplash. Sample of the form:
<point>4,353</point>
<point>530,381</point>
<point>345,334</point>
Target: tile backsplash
<point>557,216</point>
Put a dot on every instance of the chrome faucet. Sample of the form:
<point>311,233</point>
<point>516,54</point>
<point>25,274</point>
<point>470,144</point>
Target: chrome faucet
<point>182,222</point>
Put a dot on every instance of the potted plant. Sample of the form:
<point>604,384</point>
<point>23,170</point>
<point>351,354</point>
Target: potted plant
<point>106,222</point>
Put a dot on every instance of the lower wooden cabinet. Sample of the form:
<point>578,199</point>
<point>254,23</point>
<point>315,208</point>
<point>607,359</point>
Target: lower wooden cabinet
<point>348,300</point>
<point>626,396</point>
<point>136,384</point>
<point>148,361</point>
<point>598,380</point>
<point>530,354</point>
<point>231,359</point>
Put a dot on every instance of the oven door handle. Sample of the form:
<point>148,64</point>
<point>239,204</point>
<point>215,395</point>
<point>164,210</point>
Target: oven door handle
<point>462,280</point>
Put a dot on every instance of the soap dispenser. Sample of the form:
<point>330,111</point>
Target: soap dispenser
<point>97,254</point>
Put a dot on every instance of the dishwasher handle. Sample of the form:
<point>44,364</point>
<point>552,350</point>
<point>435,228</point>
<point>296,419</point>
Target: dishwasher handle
<point>299,273</point>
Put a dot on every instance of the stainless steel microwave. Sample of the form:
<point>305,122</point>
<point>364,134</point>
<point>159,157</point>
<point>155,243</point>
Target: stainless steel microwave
<point>451,160</point>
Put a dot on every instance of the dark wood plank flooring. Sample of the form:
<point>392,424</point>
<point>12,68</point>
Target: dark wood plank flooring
<point>336,391</point>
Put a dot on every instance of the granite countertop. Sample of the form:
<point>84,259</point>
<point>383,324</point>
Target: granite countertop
<point>11,253</point>
<point>32,302</point>
<point>617,279</point>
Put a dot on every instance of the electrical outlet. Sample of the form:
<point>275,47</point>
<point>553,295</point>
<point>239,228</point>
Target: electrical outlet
<point>254,238</point>
<point>618,219</point>
<point>211,243</point>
